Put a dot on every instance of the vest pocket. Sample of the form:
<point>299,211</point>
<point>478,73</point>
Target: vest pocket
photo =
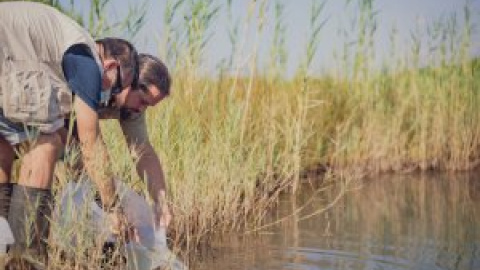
<point>29,97</point>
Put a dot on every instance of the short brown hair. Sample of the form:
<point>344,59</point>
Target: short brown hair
<point>153,71</point>
<point>125,53</point>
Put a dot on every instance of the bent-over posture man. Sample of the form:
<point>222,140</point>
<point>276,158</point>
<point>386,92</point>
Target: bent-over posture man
<point>46,58</point>
<point>153,86</point>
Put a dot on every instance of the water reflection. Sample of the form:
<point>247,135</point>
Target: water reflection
<point>395,222</point>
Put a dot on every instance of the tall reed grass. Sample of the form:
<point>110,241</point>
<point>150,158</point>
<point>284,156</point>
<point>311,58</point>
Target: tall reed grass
<point>230,143</point>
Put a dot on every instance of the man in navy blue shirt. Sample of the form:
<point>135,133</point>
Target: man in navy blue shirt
<point>154,85</point>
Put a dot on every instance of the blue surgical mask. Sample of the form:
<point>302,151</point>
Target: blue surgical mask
<point>105,97</point>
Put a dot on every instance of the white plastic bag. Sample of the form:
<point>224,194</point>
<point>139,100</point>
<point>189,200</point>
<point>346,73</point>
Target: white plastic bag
<point>77,203</point>
<point>6,236</point>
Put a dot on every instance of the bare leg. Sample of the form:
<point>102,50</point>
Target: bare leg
<point>7,155</point>
<point>31,199</point>
<point>39,162</point>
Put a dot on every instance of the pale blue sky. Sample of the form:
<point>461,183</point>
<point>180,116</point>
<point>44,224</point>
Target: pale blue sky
<point>404,14</point>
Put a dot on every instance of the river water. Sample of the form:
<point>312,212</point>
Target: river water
<point>420,222</point>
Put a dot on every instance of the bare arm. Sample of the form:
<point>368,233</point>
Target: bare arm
<point>94,152</point>
<point>149,167</point>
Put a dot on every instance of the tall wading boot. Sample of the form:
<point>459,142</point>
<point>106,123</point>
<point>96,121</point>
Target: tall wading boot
<point>30,211</point>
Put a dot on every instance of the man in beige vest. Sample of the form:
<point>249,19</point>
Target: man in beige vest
<point>45,59</point>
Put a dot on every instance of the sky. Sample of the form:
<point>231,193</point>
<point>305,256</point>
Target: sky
<point>403,15</point>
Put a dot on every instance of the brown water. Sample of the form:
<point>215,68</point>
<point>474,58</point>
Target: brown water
<point>395,222</point>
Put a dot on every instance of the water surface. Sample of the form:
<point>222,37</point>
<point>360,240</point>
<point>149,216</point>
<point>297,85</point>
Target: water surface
<point>421,222</point>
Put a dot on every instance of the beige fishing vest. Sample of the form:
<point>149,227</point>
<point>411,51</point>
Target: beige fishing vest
<point>33,40</point>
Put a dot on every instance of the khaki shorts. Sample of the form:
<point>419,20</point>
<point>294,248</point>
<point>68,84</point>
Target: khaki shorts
<point>16,133</point>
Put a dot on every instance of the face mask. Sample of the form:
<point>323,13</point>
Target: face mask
<point>105,97</point>
<point>117,88</point>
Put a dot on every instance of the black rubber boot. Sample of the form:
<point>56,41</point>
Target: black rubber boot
<point>5,195</point>
<point>30,211</point>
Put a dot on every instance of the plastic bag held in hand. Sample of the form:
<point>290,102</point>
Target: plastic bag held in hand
<point>147,248</point>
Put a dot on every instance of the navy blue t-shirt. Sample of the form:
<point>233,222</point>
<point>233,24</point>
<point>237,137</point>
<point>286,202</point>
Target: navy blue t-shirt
<point>83,75</point>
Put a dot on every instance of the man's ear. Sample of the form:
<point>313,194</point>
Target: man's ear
<point>110,64</point>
